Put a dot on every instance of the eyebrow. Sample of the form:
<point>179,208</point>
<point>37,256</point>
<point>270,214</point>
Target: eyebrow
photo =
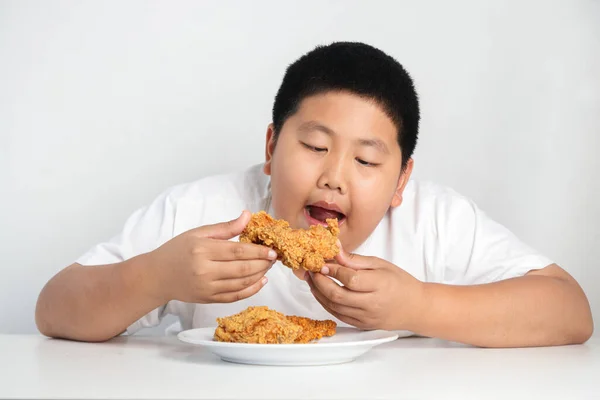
<point>315,126</point>
<point>378,144</point>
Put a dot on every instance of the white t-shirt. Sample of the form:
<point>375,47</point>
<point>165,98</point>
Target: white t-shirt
<point>436,235</point>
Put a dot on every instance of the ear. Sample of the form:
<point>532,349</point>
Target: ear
<point>402,182</point>
<point>269,149</point>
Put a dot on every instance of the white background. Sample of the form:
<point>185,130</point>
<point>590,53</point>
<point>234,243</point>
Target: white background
<point>105,104</point>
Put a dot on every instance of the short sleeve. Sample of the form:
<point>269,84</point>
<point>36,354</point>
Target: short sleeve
<point>145,230</point>
<point>479,250</point>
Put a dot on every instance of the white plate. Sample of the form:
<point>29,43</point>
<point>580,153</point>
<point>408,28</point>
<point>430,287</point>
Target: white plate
<point>345,346</point>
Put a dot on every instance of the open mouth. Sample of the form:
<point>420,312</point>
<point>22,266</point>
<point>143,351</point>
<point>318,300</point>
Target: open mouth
<point>318,214</point>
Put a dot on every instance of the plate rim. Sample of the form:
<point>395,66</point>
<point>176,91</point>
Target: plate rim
<point>391,336</point>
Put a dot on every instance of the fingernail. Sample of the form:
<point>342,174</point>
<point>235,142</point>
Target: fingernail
<point>325,270</point>
<point>264,280</point>
<point>272,254</point>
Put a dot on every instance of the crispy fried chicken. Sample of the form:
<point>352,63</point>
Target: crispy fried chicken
<point>297,248</point>
<point>265,326</point>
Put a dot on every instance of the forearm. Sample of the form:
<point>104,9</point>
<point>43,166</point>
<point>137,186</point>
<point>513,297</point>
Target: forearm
<point>526,311</point>
<point>96,303</point>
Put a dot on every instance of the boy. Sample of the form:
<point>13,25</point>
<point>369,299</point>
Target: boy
<point>415,256</point>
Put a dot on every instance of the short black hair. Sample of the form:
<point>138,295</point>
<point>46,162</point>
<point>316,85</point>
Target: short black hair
<point>355,68</point>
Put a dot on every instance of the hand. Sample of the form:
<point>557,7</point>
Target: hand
<point>202,266</point>
<point>376,294</point>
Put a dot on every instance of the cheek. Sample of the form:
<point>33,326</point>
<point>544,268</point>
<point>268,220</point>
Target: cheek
<point>291,172</point>
<point>371,198</point>
<point>291,181</point>
<point>374,191</point>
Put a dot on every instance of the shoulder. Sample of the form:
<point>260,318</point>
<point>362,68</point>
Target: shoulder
<point>244,186</point>
<point>216,198</point>
<point>186,206</point>
<point>435,216</point>
<point>433,202</point>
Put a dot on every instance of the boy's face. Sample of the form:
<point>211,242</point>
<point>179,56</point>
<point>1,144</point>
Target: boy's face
<point>336,157</point>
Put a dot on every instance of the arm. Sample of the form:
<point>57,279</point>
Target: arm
<point>544,307</point>
<point>96,303</point>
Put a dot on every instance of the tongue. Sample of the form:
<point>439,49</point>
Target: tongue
<point>322,214</point>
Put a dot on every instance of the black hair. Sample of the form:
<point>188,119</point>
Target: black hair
<point>355,68</point>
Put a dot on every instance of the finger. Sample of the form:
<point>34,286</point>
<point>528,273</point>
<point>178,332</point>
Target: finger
<point>229,251</point>
<point>336,307</point>
<point>225,230</point>
<point>249,291</point>
<point>237,284</point>
<point>354,261</point>
<point>240,269</point>
<point>355,280</point>
<point>344,318</point>
<point>300,273</point>
<point>336,293</point>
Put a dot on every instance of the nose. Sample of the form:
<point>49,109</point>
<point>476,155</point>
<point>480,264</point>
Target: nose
<point>332,177</point>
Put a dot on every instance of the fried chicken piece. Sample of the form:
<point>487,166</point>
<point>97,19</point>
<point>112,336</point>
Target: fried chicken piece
<point>297,248</point>
<point>265,326</point>
<point>313,329</point>
<point>257,325</point>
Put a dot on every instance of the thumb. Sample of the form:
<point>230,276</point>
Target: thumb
<point>351,260</point>
<point>225,230</point>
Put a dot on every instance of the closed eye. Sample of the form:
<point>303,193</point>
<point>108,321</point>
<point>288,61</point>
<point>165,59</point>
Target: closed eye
<point>366,163</point>
<point>313,148</point>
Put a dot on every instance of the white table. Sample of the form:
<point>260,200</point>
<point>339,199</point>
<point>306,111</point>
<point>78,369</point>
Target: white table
<point>139,367</point>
